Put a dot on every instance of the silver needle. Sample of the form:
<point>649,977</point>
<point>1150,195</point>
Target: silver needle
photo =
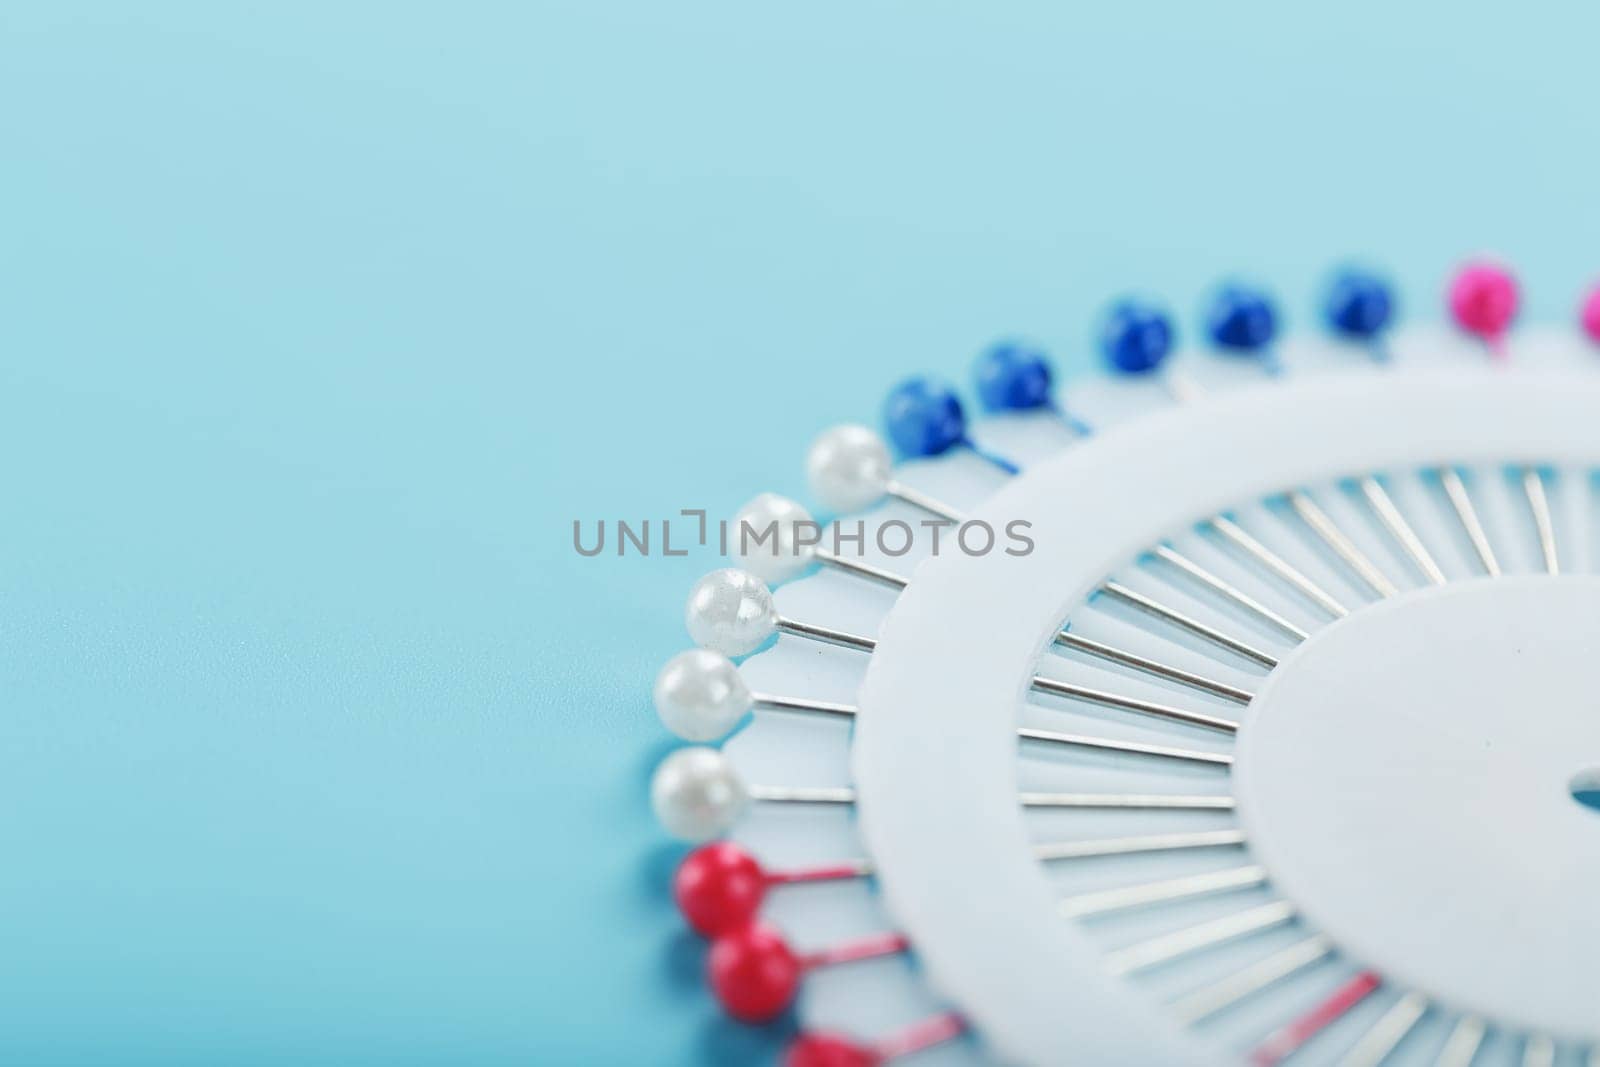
<point>1324,527</point>
<point>1456,490</point>
<point>858,568</point>
<point>923,501</point>
<point>1168,554</point>
<point>1533,487</point>
<point>1143,801</point>
<point>1206,1002</point>
<point>1182,387</point>
<point>794,794</point>
<point>1387,1032</point>
<point>1279,566</point>
<point>1133,748</point>
<point>797,794</point>
<point>1134,896</point>
<point>826,634</point>
<point>1184,622</point>
<point>776,703</point>
<point>1462,1044</point>
<point>1143,707</point>
<point>1060,800</point>
<point>1382,503</point>
<point>1538,1051</point>
<point>1122,846</point>
<point>1068,639</point>
<point>1193,939</point>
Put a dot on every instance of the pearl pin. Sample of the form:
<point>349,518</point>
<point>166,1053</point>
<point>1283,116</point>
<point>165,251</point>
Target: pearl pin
<point>776,539</point>
<point>697,794</point>
<point>732,612</point>
<point>848,469</point>
<point>700,696</point>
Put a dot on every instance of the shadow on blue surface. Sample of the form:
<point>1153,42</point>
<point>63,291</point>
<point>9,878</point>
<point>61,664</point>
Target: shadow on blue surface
<point>726,1041</point>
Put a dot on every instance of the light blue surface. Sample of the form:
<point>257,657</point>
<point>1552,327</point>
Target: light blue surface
<point>319,324</point>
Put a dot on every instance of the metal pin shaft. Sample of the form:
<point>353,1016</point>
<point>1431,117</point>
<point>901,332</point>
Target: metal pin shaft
<point>1132,748</point>
<point>826,634</point>
<point>1279,566</point>
<point>1389,514</point>
<point>1169,947</point>
<point>1461,502</point>
<point>1144,801</point>
<point>1324,527</point>
<point>923,501</point>
<point>1068,639</point>
<point>1168,554</point>
<point>1539,504</point>
<point>1390,1029</point>
<point>1219,996</point>
<point>1143,707</point>
<point>1462,1044</point>
<point>1151,607</point>
<point>1123,846</point>
<point>1134,896</point>
<point>777,703</point>
<point>859,569</point>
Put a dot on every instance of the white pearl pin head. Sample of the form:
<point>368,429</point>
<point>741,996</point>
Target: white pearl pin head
<point>731,611</point>
<point>848,468</point>
<point>700,695</point>
<point>774,537</point>
<point>696,794</point>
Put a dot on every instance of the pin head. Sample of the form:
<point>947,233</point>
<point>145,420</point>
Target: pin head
<point>730,611</point>
<point>1012,376</point>
<point>696,794</point>
<point>828,1050</point>
<point>781,554</point>
<point>1136,337</point>
<point>719,888</point>
<point>848,468</point>
<point>754,973</point>
<point>924,417</point>
<point>700,695</point>
<point>1241,320</point>
<point>1483,299</point>
<point>1590,315</point>
<point>1359,305</point>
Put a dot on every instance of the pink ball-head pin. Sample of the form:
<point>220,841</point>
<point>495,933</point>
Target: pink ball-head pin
<point>1589,314</point>
<point>1483,300</point>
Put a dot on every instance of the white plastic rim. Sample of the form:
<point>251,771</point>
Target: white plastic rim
<point>935,753</point>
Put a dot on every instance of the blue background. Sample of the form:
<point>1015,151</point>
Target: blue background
<point>320,323</point>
